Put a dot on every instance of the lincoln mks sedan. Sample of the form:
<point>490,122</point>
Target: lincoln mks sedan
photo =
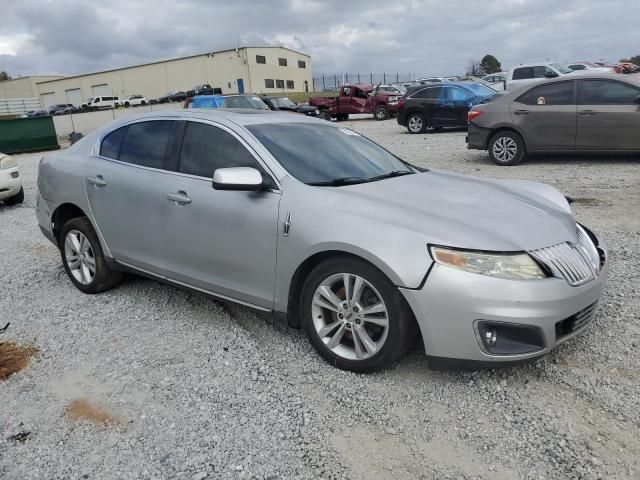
<point>320,226</point>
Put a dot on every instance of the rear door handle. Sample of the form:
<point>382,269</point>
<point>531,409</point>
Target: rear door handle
<point>521,112</point>
<point>179,198</point>
<point>586,112</point>
<point>98,181</point>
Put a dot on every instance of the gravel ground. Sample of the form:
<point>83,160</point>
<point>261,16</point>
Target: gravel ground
<point>201,390</point>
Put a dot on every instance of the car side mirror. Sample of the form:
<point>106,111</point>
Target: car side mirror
<point>238,178</point>
<point>637,100</point>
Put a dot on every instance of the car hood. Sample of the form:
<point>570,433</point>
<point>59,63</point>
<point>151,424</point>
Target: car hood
<point>464,211</point>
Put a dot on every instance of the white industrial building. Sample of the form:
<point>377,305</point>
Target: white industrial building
<point>271,70</point>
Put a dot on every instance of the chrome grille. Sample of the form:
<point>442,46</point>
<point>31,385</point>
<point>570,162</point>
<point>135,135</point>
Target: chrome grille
<point>577,263</point>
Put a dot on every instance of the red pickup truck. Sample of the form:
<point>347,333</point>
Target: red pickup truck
<point>357,99</point>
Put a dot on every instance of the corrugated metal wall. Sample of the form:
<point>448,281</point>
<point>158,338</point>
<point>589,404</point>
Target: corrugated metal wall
<point>18,106</point>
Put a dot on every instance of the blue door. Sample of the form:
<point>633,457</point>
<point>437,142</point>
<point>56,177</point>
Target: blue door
<point>240,82</point>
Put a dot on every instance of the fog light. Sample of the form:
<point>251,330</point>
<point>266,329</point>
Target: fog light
<point>15,174</point>
<point>490,336</point>
<point>501,338</point>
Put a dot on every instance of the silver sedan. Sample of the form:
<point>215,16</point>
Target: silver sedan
<point>319,225</point>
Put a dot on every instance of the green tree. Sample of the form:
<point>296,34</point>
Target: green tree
<point>490,64</point>
<point>635,59</point>
<point>4,76</point>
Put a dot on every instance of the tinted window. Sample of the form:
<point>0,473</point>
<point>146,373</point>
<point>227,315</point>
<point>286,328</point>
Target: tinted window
<point>302,64</point>
<point>457,94</point>
<point>206,148</point>
<point>279,83</point>
<point>430,93</point>
<point>261,59</point>
<point>577,67</point>
<point>522,73</point>
<point>282,62</point>
<point>606,92</point>
<point>560,93</point>
<point>110,146</point>
<point>145,143</point>
<point>268,83</point>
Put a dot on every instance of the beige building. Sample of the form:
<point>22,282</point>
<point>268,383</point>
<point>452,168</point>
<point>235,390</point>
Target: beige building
<point>24,87</point>
<point>272,70</point>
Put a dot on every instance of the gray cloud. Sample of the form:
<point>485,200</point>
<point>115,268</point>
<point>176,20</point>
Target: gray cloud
<point>413,36</point>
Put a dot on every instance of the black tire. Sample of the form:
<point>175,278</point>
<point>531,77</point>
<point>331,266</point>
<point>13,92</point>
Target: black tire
<point>381,113</point>
<point>506,148</point>
<point>325,115</point>
<point>342,116</point>
<point>16,199</point>
<point>105,278</point>
<point>416,123</point>
<point>127,104</point>
<point>402,329</point>
<point>143,103</point>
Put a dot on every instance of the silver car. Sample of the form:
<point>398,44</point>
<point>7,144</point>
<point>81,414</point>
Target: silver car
<point>315,223</point>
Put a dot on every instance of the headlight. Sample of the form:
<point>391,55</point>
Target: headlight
<point>7,162</point>
<point>518,266</point>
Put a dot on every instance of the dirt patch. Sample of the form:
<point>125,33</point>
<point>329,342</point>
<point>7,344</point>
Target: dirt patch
<point>83,409</point>
<point>14,357</point>
<point>587,201</point>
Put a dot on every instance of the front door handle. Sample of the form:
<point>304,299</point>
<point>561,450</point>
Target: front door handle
<point>98,181</point>
<point>521,112</point>
<point>179,198</point>
<point>586,112</point>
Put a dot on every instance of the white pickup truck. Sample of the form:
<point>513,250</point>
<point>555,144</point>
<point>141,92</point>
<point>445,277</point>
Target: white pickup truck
<point>535,72</point>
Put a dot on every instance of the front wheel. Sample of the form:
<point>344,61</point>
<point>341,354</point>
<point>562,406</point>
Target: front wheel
<point>325,115</point>
<point>83,258</point>
<point>416,123</point>
<point>16,199</point>
<point>355,317</point>
<point>506,148</point>
<point>381,112</point>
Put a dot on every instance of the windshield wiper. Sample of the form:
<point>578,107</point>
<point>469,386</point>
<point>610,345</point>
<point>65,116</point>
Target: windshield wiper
<point>338,182</point>
<point>394,173</point>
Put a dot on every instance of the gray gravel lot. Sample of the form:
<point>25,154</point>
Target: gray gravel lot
<point>203,390</point>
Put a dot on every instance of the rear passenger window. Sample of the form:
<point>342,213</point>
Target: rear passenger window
<point>430,93</point>
<point>206,148</point>
<point>559,93</point>
<point>457,94</point>
<point>523,73</point>
<point>110,146</point>
<point>145,143</point>
<point>606,92</point>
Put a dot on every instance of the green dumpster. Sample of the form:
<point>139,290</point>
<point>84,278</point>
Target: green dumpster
<point>28,135</point>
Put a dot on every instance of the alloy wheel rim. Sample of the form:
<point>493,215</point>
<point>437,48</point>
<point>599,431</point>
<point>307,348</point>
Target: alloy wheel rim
<point>380,112</point>
<point>505,149</point>
<point>415,123</point>
<point>350,316</point>
<point>80,257</point>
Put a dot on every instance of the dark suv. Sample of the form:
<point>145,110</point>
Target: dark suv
<point>440,105</point>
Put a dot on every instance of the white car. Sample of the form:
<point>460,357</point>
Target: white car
<point>134,101</point>
<point>11,191</point>
<point>97,103</point>
<point>535,72</point>
<point>592,67</point>
<point>392,89</point>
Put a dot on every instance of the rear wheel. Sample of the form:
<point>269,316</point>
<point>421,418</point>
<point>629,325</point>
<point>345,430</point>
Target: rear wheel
<point>83,258</point>
<point>127,104</point>
<point>355,317</point>
<point>16,199</point>
<point>506,148</point>
<point>381,112</point>
<point>416,123</point>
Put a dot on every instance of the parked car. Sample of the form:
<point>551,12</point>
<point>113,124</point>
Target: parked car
<point>357,99</point>
<point>627,67</point>
<point>245,101</point>
<point>535,72</point>
<point>440,105</point>
<point>585,113</point>
<point>488,270</point>
<point>98,103</point>
<point>285,104</point>
<point>34,113</point>
<point>393,89</point>
<point>177,96</point>
<point>204,89</point>
<point>592,67</point>
<point>427,80</point>
<point>11,191</point>
<point>497,77</point>
<point>134,101</point>
<point>60,109</point>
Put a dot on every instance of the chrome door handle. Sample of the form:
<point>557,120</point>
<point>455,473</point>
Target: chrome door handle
<point>587,112</point>
<point>179,198</point>
<point>521,112</point>
<point>98,181</point>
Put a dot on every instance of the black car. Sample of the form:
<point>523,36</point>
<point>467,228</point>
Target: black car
<point>178,96</point>
<point>283,103</point>
<point>204,89</point>
<point>440,105</point>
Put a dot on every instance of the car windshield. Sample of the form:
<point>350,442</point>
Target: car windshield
<point>281,102</point>
<point>561,68</point>
<point>479,89</point>
<point>326,155</point>
<point>242,101</point>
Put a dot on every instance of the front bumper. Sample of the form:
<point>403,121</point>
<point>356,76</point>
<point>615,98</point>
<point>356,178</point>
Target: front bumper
<point>452,302</point>
<point>10,183</point>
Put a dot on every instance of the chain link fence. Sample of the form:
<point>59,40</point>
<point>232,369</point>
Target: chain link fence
<point>332,82</point>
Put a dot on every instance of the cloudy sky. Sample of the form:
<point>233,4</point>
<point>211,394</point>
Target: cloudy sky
<point>436,37</point>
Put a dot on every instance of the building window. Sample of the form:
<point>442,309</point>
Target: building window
<point>302,64</point>
<point>279,83</point>
<point>261,59</point>
<point>290,84</point>
<point>268,82</point>
<point>282,62</point>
